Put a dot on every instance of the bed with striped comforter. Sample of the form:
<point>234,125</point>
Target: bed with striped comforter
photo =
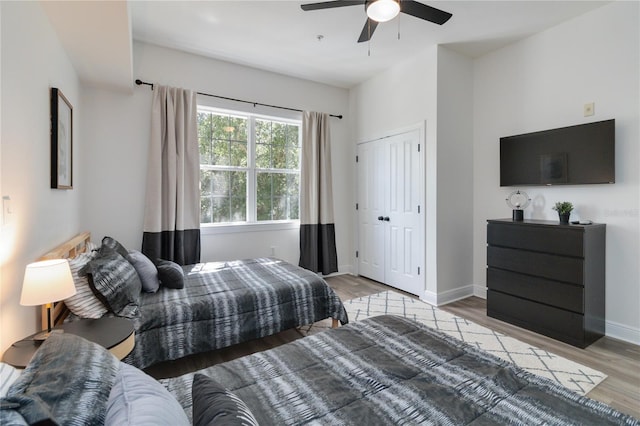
<point>389,370</point>
<point>224,303</point>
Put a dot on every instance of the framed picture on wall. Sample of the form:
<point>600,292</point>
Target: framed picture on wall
<point>61,141</point>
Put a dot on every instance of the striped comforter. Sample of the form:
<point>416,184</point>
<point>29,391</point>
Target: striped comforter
<point>224,303</point>
<point>389,370</point>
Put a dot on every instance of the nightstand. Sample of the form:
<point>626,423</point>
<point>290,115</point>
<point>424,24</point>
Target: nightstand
<point>115,334</point>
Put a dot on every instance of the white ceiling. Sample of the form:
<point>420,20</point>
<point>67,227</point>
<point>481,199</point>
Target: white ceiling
<point>278,36</point>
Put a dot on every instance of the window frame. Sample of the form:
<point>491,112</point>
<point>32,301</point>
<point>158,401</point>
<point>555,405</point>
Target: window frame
<point>252,224</point>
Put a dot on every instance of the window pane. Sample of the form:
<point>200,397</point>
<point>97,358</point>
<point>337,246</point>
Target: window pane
<point>220,183</point>
<point>263,131</point>
<point>205,210</point>
<point>239,154</point>
<point>293,135</point>
<point>220,153</point>
<point>238,209</point>
<point>263,156</point>
<point>238,184</point>
<point>293,158</point>
<point>206,181</point>
<point>221,211</point>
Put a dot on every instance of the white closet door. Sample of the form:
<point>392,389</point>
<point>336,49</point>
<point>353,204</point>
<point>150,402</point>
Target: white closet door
<point>391,236</point>
<point>404,236</point>
<point>371,199</point>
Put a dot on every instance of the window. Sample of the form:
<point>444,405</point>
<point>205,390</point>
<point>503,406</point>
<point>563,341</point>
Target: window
<point>249,168</point>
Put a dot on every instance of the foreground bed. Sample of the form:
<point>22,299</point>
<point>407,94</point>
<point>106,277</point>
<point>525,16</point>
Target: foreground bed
<point>216,305</point>
<point>389,370</point>
<point>381,371</point>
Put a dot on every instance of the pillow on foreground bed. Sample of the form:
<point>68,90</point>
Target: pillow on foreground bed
<point>73,381</point>
<point>115,282</point>
<point>215,405</point>
<point>170,273</point>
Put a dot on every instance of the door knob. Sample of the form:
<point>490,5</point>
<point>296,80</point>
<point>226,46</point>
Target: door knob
<point>386,219</point>
<point>380,218</point>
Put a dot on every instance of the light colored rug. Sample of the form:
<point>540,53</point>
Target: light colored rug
<point>572,375</point>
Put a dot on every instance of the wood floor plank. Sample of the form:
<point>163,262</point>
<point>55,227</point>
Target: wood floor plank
<point>619,360</point>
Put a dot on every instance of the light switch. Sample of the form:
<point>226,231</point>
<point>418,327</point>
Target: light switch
<point>589,109</point>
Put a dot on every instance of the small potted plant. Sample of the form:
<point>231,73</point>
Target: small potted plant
<point>564,209</point>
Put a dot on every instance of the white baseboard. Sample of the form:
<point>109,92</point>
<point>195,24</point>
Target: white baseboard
<point>480,291</point>
<point>442,298</point>
<point>622,332</point>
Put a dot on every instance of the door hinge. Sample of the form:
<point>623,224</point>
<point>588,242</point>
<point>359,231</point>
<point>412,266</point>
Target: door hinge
<point>357,253</point>
<point>418,270</point>
<point>356,158</point>
<point>356,206</point>
<point>418,208</point>
<point>418,147</point>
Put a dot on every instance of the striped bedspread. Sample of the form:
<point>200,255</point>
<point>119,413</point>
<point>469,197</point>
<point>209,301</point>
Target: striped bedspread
<point>224,303</point>
<point>389,370</point>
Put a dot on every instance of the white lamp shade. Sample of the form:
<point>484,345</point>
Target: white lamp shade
<point>46,282</point>
<point>383,10</point>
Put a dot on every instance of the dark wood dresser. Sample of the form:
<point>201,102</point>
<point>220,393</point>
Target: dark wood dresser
<point>548,278</point>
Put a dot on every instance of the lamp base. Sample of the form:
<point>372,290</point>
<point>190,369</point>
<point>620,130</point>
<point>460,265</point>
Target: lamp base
<point>518,215</point>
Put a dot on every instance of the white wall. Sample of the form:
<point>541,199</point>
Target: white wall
<point>541,83</point>
<point>455,174</point>
<point>32,62</point>
<point>117,126</point>
<point>435,86</point>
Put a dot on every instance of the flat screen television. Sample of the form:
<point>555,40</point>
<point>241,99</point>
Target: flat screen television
<point>574,155</point>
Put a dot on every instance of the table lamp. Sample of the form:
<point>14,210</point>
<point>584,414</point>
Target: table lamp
<point>46,282</point>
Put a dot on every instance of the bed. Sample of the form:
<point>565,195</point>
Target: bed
<point>219,304</point>
<point>384,370</point>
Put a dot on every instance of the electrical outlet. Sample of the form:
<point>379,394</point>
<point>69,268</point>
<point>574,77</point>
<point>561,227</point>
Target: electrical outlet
<point>589,109</point>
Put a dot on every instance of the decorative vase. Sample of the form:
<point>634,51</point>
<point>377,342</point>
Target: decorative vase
<point>564,217</point>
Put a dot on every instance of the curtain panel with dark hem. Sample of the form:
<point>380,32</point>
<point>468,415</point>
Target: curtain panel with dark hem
<point>317,228</point>
<point>172,205</point>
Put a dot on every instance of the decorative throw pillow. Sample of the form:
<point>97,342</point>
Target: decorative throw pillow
<point>146,270</point>
<point>112,244</point>
<point>170,273</point>
<point>215,405</point>
<point>115,282</point>
<point>68,381</point>
<point>138,399</point>
<point>84,303</point>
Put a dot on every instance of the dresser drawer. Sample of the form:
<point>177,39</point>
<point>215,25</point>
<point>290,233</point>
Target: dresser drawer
<point>553,293</point>
<point>558,268</point>
<point>556,240</point>
<point>553,322</point>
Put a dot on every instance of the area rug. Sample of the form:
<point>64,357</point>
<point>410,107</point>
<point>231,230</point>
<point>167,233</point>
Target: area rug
<point>577,377</point>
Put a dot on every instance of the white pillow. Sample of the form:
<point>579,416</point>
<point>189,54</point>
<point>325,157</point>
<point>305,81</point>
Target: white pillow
<point>138,399</point>
<point>84,303</point>
<point>8,375</point>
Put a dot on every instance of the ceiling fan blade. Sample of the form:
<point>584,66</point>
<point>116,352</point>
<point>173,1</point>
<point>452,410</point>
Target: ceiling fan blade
<point>425,12</point>
<point>330,4</point>
<point>367,31</point>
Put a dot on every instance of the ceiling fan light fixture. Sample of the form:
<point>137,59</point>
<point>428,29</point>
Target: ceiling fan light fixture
<point>383,10</point>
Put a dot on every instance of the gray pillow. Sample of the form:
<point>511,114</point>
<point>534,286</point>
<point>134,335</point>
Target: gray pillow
<point>170,273</point>
<point>146,270</point>
<point>115,282</point>
<point>138,399</point>
<point>215,405</point>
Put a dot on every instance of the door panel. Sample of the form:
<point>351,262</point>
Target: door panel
<point>390,187</point>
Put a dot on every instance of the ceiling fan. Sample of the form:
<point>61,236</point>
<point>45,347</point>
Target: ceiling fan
<point>385,10</point>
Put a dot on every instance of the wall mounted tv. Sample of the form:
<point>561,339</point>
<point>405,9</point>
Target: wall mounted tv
<point>574,155</point>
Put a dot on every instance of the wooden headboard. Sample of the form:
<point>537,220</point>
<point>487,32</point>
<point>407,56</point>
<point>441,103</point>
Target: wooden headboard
<point>67,250</point>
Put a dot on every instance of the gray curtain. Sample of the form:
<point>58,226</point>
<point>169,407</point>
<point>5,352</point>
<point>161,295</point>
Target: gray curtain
<point>317,228</point>
<point>172,206</point>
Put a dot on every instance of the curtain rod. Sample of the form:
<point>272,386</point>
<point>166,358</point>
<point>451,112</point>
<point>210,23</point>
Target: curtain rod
<point>140,82</point>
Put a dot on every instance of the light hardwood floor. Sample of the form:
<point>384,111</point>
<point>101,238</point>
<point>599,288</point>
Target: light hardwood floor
<point>619,360</point>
